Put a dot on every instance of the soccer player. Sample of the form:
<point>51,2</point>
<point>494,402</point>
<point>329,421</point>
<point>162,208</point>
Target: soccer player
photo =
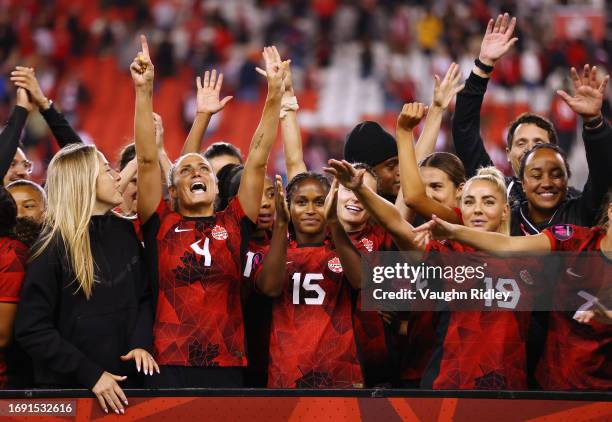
<point>85,307</point>
<point>312,342</point>
<point>576,356</point>
<point>453,363</point>
<point>531,129</point>
<point>31,203</point>
<point>194,253</point>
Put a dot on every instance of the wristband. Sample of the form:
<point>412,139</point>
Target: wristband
<point>288,104</point>
<point>594,124</point>
<point>484,67</point>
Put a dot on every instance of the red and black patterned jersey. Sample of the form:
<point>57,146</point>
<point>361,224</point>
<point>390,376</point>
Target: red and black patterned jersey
<point>478,349</point>
<point>13,257</point>
<point>199,320</point>
<point>257,316</point>
<point>312,342</point>
<point>577,356</point>
<point>369,326</point>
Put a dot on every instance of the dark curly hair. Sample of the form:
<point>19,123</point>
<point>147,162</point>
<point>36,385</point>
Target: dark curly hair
<point>8,212</point>
<point>538,147</point>
<point>27,230</point>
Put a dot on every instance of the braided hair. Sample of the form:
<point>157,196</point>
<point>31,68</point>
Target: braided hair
<point>293,185</point>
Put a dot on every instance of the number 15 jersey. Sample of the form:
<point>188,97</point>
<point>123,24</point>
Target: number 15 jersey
<point>312,342</point>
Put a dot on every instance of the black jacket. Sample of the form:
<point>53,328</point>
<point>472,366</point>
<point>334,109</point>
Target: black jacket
<point>9,138</point>
<point>470,149</point>
<point>70,339</point>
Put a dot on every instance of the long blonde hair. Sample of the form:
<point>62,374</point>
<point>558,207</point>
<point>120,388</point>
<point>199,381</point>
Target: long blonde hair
<point>71,197</point>
<point>495,177</point>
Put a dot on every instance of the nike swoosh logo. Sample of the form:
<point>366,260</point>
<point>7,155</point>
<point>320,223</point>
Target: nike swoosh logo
<point>572,273</point>
<point>177,230</point>
<point>289,262</point>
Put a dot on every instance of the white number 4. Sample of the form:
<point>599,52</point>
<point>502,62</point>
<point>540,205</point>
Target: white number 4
<point>307,286</point>
<point>203,251</point>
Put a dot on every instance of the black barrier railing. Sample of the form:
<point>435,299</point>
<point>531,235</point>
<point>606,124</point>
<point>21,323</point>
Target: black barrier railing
<point>600,396</point>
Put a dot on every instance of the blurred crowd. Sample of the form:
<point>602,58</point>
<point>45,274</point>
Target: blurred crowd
<point>360,58</point>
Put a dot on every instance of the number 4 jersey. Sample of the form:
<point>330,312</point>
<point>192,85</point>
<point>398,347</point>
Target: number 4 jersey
<point>312,343</point>
<point>197,261</point>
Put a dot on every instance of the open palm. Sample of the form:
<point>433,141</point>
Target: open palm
<point>207,98</point>
<point>498,39</point>
<point>589,93</point>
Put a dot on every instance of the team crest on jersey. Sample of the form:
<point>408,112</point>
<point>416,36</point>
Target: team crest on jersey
<point>562,231</point>
<point>335,265</point>
<point>526,277</point>
<point>219,233</point>
<point>368,244</point>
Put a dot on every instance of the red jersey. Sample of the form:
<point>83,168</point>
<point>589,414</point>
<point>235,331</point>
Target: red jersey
<point>312,342</point>
<point>13,257</point>
<point>577,356</point>
<point>479,349</point>
<point>199,319</point>
<point>369,326</point>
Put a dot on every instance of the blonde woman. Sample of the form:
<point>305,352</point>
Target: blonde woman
<point>84,311</point>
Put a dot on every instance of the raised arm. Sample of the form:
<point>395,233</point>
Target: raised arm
<point>9,138</point>
<point>290,131</point>
<point>597,136</point>
<point>347,252</point>
<point>164,161</point>
<point>270,278</point>
<point>147,155</point>
<point>379,208</point>
<point>252,179</point>
<point>469,145</point>
<point>412,185</point>
<point>25,77</point>
<point>497,243</point>
<point>444,92</point>
<point>207,104</point>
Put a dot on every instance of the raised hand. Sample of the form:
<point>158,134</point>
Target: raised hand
<point>411,116</point>
<point>445,91</point>
<point>282,210</point>
<point>25,77</point>
<point>143,359</point>
<point>589,93</point>
<point>22,99</point>
<point>142,69</point>
<point>497,40</point>
<point>331,204</point>
<point>345,174</point>
<point>287,80</point>
<point>109,393</point>
<point>207,99</point>
<point>275,69</point>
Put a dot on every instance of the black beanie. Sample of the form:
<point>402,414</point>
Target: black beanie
<point>369,143</point>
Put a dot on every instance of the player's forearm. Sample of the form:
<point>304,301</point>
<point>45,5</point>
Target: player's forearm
<point>427,141</point>
<point>348,254</point>
<point>491,241</point>
<point>144,127</point>
<point>165,164</point>
<point>128,172</point>
<point>412,185</point>
<point>265,134</point>
<point>193,143</point>
<point>270,279</point>
<point>292,144</point>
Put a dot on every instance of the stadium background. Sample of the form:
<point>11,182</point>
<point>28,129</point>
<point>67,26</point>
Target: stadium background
<point>351,60</point>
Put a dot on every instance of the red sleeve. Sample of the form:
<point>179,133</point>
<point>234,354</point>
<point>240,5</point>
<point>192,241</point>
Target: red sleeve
<point>566,237</point>
<point>12,271</point>
<point>458,212</point>
<point>234,210</point>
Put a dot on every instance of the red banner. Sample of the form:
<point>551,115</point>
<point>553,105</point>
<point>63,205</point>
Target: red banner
<point>171,409</point>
